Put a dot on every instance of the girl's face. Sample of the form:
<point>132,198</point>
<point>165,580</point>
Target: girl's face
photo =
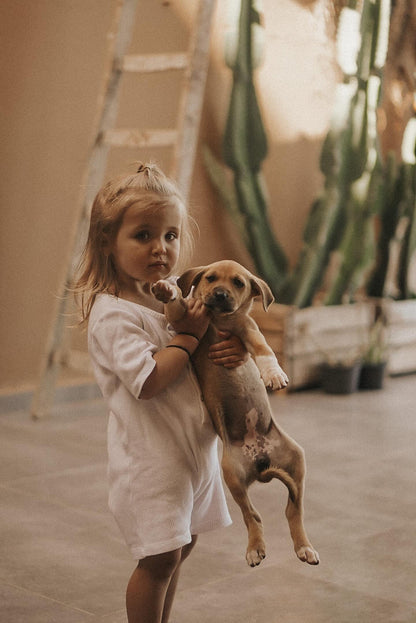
<point>147,245</point>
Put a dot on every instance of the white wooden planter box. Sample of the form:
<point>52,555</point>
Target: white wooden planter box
<point>304,338</point>
<point>401,324</point>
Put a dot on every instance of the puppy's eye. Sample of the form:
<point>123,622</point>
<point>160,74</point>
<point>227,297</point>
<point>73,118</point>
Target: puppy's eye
<point>210,278</point>
<point>238,283</point>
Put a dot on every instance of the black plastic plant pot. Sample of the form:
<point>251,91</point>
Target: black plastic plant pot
<point>340,378</point>
<point>372,375</point>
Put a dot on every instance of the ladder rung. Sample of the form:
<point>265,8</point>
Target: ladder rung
<point>140,138</point>
<point>144,63</point>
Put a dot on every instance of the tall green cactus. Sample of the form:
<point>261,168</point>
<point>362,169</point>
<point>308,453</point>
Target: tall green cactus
<point>327,218</point>
<point>389,215</point>
<point>357,189</point>
<point>407,263</point>
<point>244,149</point>
<point>341,217</point>
<point>357,248</point>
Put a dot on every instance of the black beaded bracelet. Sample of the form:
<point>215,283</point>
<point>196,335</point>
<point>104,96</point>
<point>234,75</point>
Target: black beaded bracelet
<point>185,350</point>
<point>190,334</point>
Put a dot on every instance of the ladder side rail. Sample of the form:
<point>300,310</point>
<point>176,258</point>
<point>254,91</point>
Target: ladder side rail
<point>190,107</point>
<point>119,39</point>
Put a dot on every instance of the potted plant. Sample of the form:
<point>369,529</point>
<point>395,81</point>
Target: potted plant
<point>374,359</point>
<point>341,376</point>
<point>340,364</point>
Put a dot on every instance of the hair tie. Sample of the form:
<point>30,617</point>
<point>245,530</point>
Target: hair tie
<point>142,167</point>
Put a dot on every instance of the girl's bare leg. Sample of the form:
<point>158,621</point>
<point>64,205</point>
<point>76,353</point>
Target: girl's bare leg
<point>152,586</point>
<point>148,586</point>
<point>186,550</point>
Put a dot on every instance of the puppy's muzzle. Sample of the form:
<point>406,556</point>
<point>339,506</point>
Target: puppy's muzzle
<point>220,300</point>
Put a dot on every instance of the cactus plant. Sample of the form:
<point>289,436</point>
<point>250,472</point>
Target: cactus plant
<point>341,219</point>
<point>388,218</point>
<point>244,149</point>
<point>359,192</point>
<point>398,223</point>
<point>358,245</point>
<point>407,285</point>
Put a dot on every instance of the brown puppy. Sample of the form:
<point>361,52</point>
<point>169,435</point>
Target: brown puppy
<point>254,447</point>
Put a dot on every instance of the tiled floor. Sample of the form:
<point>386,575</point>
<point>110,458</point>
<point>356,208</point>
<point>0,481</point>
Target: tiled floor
<point>62,559</point>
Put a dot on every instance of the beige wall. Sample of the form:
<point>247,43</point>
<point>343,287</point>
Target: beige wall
<point>52,56</point>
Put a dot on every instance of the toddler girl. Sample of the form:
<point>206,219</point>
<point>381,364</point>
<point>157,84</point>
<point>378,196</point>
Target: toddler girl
<point>164,475</point>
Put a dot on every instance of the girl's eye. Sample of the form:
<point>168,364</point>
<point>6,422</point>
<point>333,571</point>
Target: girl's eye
<point>238,283</point>
<point>142,235</point>
<point>171,235</point>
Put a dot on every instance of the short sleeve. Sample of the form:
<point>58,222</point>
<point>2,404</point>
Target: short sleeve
<point>121,351</point>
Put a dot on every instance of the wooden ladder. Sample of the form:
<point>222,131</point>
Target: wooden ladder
<point>182,140</point>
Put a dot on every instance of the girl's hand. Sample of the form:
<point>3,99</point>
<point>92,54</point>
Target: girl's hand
<point>229,353</point>
<point>195,320</point>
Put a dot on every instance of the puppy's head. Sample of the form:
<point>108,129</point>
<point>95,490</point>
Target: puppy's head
<point>225,287</point>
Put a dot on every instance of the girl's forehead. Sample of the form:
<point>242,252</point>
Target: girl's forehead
<point>158,214</point>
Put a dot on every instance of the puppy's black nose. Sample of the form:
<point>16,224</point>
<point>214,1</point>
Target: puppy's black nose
<point>220,295</point>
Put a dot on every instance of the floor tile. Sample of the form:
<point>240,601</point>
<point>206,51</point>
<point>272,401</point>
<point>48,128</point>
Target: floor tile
<point>21,606</point>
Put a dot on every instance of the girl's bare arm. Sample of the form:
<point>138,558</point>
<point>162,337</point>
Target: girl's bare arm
<point>171,360</point>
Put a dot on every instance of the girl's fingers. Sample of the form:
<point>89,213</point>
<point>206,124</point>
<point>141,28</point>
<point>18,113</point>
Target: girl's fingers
<point>221,347</point>
<point>196,306</point>
<point>232,361</point>
<point>221,353</point>
<point>234,364</point>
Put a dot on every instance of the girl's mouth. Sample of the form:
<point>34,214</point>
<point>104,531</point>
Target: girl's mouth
<point>158,265</point>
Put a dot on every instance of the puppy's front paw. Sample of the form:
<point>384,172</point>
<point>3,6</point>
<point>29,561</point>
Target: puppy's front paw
<point>272,374</point>
<point>164,291</point>
<point>277,379</point>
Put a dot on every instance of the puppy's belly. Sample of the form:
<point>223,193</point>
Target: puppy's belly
<point>232,395</point>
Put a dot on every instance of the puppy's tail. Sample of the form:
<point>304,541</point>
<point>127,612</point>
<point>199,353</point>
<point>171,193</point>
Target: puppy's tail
<point>271,472</point>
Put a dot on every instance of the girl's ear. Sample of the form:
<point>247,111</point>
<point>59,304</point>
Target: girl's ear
<point>190,278</point>
<point>260,288</point>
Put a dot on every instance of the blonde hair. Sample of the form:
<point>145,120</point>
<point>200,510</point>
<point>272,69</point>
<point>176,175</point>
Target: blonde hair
<point>148,188</point>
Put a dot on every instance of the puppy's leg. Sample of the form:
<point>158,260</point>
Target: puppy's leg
<point>235,476</point>
<point>171,296</point>
<point>290,456</point>
<point>272,374</point>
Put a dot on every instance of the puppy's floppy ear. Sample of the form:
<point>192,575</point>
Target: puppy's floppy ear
<point>190,278</point>
<point>260,288</point>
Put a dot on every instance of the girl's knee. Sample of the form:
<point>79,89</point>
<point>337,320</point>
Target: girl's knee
<point>162,566</point>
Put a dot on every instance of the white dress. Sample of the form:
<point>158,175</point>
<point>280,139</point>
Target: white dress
<point>164,473</point>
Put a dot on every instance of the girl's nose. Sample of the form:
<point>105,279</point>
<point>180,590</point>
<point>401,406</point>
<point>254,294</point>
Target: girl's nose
<point>159,246</point>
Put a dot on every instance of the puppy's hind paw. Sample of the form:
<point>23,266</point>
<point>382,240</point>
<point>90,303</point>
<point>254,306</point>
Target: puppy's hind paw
<point>255,556</point>
<point>308,554</point>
